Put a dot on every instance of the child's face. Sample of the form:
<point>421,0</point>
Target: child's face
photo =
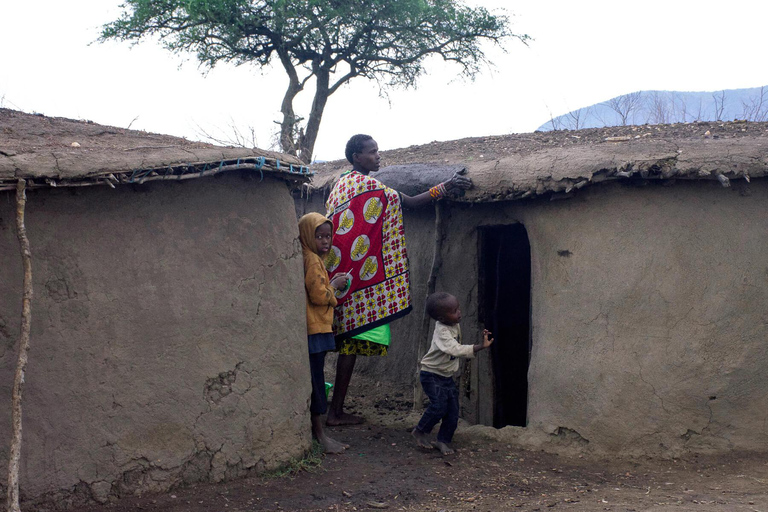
<point>451,314</point>
<point>323,238</point>
<point>368,160</point>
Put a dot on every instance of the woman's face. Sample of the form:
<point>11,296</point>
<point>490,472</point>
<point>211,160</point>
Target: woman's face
<point>368,159</point>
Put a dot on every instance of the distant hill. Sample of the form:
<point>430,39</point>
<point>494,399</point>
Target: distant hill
<point>665,107</point>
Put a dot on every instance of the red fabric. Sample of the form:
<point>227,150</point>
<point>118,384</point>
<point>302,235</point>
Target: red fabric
<point>369,241</point>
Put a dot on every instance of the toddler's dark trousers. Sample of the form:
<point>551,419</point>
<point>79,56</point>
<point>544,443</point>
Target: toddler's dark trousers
<point>443,405</point>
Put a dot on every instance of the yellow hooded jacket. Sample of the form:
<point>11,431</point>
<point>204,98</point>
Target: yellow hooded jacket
<point>321,296</point>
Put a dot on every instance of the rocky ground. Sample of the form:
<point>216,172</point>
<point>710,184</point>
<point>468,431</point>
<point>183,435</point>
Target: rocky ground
<point>383,470</point>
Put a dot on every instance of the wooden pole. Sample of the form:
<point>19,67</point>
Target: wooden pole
<point>424,343</point>
<point>21,365</point>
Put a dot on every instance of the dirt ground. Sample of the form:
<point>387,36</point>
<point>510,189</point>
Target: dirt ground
<point>383,470</point>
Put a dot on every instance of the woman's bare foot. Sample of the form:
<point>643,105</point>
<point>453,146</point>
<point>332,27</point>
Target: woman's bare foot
<point>345,419</point>
<point>444,448</point>
<point>422,439</point>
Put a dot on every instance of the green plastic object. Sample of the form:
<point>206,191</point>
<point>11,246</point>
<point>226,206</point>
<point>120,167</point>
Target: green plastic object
<point>328,387</point>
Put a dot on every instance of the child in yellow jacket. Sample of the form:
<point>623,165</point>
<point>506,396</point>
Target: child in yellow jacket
<point>316,236</point>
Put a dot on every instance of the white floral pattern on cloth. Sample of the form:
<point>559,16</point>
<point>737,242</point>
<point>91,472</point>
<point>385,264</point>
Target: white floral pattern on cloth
<point>369,243</point>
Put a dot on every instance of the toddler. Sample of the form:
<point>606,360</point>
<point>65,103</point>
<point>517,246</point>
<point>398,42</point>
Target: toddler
<point>437,369</point>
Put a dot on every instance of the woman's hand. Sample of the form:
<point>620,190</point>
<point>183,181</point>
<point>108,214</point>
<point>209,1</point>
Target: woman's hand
<point>458,182</point>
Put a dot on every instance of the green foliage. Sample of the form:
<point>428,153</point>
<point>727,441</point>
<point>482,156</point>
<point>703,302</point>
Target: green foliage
<point>331,41</point>
<point>377,37</point>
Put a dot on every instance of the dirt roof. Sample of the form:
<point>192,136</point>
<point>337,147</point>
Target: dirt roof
<point>516,166</point>
<point>54,151</point>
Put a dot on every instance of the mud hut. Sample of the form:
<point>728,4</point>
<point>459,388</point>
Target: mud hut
<point>623,272</point>
<point>168,332</point>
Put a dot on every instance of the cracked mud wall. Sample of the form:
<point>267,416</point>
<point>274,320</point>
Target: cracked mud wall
<point>649,320</point>
<point>168,336</point>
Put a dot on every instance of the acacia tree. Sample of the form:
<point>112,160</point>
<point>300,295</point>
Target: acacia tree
<point>328,41</point>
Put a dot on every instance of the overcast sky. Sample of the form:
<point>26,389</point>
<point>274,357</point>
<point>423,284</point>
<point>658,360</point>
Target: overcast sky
<point>582,53</point>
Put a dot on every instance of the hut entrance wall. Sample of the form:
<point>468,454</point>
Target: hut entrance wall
<point>504,309</point>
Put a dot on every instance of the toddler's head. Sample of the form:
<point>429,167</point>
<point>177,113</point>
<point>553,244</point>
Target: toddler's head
<point>444,308</point>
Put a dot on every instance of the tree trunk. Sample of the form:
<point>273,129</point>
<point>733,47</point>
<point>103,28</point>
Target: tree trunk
<point>21,365</point>
<point>288,144</point>
<point>307,142</point>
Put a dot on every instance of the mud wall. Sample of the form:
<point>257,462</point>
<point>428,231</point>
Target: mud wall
<point>648,329</point>
<point>648,315</point>
<point>168,338</point>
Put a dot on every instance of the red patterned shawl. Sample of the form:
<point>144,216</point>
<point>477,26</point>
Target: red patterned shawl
<point>369,240</point>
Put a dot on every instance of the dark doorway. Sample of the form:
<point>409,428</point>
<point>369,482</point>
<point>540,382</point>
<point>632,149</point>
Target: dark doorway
<point>505,310</point>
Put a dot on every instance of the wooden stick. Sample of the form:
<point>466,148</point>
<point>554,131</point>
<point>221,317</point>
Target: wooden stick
<point>424,342</point>
<point>21,365</point>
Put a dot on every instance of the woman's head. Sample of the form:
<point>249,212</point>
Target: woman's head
<point>363,153</point>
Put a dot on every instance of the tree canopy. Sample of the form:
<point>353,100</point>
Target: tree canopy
<point>328,41</point>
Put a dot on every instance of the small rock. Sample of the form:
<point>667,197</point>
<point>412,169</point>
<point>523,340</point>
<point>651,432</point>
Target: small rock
<point>75,145</point>
<point>100,491</point>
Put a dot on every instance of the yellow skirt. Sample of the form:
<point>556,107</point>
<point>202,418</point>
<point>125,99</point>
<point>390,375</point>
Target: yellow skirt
<point>356,347</point>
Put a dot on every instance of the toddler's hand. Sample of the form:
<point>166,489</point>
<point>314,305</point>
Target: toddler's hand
<point>487,340</point>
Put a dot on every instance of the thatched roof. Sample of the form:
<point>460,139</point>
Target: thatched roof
<point>53,151</point>
<point>519,166</point>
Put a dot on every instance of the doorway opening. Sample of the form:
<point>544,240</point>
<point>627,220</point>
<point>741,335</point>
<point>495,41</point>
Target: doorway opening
<point>505,310</point>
